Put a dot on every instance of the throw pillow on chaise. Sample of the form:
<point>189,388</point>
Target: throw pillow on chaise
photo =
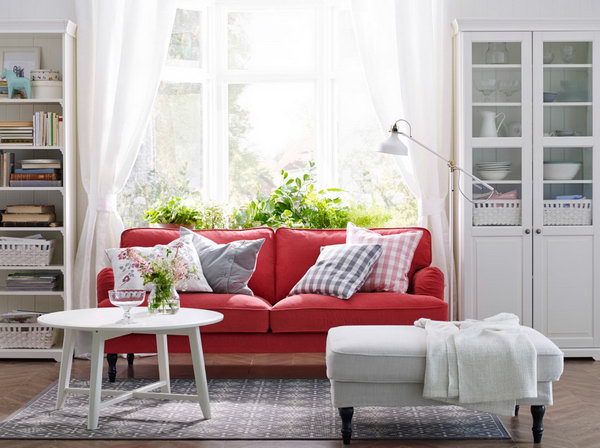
<point>128,276</point>
<point>340,270</point>
<point>227,267</point>
<point>390,273</point>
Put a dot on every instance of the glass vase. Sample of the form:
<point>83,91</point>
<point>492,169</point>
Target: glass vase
<point>497,53</point>
<point>163,299</point>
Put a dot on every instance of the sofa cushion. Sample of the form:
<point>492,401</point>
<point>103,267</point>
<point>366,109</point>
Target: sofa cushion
<point>262,282</point>
<point>297,250</point>
<point>318,313</point>
<point>396,354</point>
<point>243,314</point>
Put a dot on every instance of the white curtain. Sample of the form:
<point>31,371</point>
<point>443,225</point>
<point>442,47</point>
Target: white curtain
<point>121,48</point>
<point>406,49</point>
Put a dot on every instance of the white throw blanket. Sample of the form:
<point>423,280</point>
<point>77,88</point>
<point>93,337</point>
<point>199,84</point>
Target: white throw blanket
<point>480,364</point>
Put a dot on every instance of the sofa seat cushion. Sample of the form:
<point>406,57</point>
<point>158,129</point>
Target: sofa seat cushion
<point>396,354</point>
<point>243,314</point>
<point>318,313</point>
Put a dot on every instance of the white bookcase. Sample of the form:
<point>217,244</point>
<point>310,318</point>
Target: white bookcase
<point>56,39</point>
<point>524,255</point>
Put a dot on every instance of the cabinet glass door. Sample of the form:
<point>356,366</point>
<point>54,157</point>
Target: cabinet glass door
<point>500,103</point>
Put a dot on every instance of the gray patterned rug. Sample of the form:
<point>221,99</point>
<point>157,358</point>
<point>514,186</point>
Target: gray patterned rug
<point>242,409</point>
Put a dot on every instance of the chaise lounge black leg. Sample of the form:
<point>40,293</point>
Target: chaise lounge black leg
<point>517,410</point>
<point>130,358</point>
<point>111,358</point>
<point>346,414</point>
<point>538,422</point>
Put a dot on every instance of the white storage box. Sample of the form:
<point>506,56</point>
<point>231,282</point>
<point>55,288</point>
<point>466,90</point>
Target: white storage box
<point>577,212</point>
<point>27,336</point>
<point>30,253</point>
<point>493,212</point>
<point>46,89</point>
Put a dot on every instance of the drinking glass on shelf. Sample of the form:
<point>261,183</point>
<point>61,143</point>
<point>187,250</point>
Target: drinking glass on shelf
<point>486,87</point>
<point>509,88</point>
<point>126,299</point>
<point>567,53</point>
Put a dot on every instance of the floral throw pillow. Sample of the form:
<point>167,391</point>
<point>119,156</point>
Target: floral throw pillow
<point>128,275</point>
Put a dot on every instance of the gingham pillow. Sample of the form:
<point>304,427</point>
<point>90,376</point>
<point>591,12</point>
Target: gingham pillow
<point>340,270</point>
<point>390,271</point>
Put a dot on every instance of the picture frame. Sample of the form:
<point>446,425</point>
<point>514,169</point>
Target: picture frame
<point>20,59</point>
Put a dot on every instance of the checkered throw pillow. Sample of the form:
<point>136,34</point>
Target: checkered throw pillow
<point>339,271</point>
<point>390,271</point>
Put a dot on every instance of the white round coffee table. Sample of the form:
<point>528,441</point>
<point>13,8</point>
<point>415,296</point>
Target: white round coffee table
<point>102,323</point>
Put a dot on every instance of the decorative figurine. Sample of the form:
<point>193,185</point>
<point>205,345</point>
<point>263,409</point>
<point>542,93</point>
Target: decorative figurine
<point>16,83</point>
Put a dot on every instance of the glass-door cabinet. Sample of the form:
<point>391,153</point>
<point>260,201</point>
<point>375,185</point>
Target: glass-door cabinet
<point>528,124</point>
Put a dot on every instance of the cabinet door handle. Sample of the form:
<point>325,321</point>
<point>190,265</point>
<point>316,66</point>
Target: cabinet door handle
<point>538,231</point>
<point>527,231</point>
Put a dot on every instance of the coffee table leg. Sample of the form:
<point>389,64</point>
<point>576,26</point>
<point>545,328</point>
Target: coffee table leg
<point>66,363</point>
<point>163,362</point>
<point>199,371</point>
<point>95,379</point>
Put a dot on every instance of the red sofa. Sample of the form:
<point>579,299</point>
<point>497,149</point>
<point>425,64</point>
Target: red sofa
<point>270,322</point>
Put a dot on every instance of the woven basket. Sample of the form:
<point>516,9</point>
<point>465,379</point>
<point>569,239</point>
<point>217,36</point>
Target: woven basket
<point>497,212</point>
<point>27,336</point>
<point>34,253</point>
<point>568,212</point>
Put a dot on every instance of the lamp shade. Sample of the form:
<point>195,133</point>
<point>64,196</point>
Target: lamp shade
<point>393,145</point>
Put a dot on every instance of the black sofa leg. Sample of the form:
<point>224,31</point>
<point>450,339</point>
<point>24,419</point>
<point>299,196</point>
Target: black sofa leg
<point>538,422</point>
<point>130,358</point>
<point>346,414</point>
<point>517,407</point>
<point>112,366</point>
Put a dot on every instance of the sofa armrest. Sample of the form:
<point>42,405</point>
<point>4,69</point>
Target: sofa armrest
<point>105,281</point>
<point>428,281</point>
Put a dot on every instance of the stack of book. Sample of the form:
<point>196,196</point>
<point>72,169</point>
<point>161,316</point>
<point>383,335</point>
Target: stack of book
<point>7,162</point>
<point>16,133</point>
<point>47,129</point>
<point>3,88</point>
<point>37,173</point>
<point>31,281</point>
<point>28,216</point>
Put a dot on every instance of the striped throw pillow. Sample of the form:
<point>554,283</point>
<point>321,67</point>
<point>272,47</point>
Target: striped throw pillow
<point>390,271</point>
<point>340,270</point>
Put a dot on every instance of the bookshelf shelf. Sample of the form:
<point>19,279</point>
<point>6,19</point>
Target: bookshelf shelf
<point>57,47</point>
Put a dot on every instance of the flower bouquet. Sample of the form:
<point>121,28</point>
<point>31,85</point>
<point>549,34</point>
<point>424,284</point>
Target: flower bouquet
<point>164,271</point>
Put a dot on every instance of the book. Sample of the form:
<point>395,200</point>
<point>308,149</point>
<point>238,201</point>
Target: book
<point>27,166</point>
<point>7,161</point>
<point>35,183</point>
<point>33,176</point>
<point>36,171</point>
<point>28,217</point>
<point>47,129</point>
<point>29,209</point>
<point>12,124</point>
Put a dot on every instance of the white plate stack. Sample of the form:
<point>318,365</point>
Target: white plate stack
<point>493,170</point>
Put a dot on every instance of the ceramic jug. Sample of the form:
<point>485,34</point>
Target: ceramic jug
<point>489,128</point>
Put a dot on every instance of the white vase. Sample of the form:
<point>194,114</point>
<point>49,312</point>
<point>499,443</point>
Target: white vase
<point>489,128</point>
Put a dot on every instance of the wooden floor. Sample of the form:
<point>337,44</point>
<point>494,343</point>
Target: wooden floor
<point>574,421</point>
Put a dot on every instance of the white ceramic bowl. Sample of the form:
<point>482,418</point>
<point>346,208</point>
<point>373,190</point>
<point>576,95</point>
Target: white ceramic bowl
<point>494,175</point>
<point>561,170</point>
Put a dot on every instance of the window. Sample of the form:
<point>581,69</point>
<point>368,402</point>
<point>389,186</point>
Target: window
<point>251,88</point>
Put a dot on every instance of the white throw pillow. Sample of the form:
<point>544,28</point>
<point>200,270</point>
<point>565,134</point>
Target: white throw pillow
<point>127,276</point>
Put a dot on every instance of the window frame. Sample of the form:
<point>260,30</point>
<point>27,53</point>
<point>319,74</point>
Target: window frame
<point>216,77</point>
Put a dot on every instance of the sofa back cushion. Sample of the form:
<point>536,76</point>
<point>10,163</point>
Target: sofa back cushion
<point>298,249</point>
<point>262,281</point>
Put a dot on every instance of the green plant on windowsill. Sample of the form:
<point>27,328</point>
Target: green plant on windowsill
<point>173,212</point>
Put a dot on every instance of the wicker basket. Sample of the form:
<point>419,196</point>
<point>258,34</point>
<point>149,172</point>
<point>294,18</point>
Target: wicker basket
<point>497,212</point>
<point>27,336</point>
<point>34,253</point>
<point>568,212</point>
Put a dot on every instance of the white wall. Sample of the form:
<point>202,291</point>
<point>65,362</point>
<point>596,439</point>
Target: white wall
<point>37,9</point>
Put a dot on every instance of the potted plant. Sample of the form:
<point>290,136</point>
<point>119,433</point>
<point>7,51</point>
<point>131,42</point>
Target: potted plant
<point>174,212</point>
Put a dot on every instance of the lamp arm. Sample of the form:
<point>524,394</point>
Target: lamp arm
<point>451,163</point>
